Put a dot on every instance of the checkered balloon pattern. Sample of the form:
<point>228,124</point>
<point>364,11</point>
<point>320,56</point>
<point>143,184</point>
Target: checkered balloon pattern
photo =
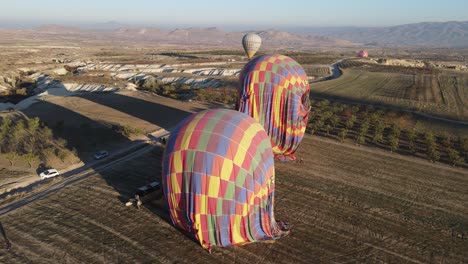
<point>218,179</point>
<point>275,92</point>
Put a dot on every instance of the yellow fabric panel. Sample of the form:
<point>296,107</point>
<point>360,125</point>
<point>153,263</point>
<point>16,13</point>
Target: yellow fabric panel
<point>246,137</point>
<point>203,203</point>
<point>213,187</point>
<point>236,234</point>
<point>226,170</point>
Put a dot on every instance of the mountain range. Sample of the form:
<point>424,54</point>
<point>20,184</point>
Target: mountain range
<point>429,34</point>
<point>426,34</point>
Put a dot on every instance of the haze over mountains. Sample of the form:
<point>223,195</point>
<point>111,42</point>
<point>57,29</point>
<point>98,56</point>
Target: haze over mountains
<point>428,34</point>
<point>440,34</point>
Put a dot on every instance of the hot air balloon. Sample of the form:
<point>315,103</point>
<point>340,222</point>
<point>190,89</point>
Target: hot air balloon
<point>275,91</point>
<point>251,43</point>
<point>218,179</point>
<point>363,54</point>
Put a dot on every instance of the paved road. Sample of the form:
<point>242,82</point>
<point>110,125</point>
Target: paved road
<point>86,171</point>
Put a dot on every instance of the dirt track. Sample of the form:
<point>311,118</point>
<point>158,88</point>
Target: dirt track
<point>345,205</point>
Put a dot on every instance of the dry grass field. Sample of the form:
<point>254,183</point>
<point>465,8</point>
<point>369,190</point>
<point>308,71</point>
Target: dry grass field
<point>444,94</point>
<point>345,204</point>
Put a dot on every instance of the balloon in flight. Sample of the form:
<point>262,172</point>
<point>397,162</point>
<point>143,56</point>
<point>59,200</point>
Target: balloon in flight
<point>251,43</point>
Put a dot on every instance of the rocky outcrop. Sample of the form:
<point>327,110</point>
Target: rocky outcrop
<point>162,68</point>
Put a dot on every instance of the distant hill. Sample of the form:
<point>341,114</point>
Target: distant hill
<point>427,34</point>
<point>431,34</point>
<point>210,36</point>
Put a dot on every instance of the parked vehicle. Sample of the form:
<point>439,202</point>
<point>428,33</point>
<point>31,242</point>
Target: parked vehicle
<point>148,188</point>
<point>49,174</point>
<point>101,154</point>
<point>165,138</point>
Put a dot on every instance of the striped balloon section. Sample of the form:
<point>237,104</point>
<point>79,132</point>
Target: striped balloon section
<point>275,91</point>
<point>218,178</point>
<point>251,43</point>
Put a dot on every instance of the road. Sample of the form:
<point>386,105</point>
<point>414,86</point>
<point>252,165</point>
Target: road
<point>88,170</point>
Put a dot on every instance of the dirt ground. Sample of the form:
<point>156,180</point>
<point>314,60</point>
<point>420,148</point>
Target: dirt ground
<point>345,204</point>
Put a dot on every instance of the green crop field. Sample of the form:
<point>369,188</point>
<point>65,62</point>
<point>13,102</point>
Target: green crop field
<point>442,94</point>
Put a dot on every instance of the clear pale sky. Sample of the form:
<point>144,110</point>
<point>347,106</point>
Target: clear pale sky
<point>234,12</point>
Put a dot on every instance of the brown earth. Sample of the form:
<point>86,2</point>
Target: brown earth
<point>345,204</point>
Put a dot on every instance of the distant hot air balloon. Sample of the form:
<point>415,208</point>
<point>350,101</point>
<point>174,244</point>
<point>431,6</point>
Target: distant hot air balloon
<point>363,54</point>
<point>218,179</point>
<point>275,91</point>
<point>251,43</point>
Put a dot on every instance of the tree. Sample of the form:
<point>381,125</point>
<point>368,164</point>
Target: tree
<point>151,84</point>
<point>30,158</point>
<point>4,133</point>
<point>429,138</point>
<point>396,130</point>
<point>323,104</point>
<point>363,131</point>
<point>319,124</point>
<point>327,129</point>
<point>454,156</point>
<point>326,115</point>
<point>432,153</point>
<point>15,139</point>
<point>310,129</point>
<point>33,124</point>
<point>350,121</point>
<point>394,141</point>
<point>355,109</point>
<point>334,120</point>
<point>364,127</point>
<point>463,141</point>
<point>378,132</point>
<point>361,139</point>
<point>412,134</point>
<point>343,133</point>
<point>11,156</point>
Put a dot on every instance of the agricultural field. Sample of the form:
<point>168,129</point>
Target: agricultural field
<point>345,203</point>
<point>443,94</point>
<point>317,70</point>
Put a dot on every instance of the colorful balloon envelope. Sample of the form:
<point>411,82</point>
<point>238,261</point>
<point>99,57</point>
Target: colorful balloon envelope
<point>275,91</point>
<point>218,179</point>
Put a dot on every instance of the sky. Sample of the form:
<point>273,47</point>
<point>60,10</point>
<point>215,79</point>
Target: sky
<point>261,13</point>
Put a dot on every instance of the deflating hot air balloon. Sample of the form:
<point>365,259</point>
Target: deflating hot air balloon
<point>218,178</point>
<point>251,43</point>
<point>363,54</point>
<point>275,91</point>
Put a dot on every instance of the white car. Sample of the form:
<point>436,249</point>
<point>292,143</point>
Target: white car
<point>101,154</point>
<point>49,174</point>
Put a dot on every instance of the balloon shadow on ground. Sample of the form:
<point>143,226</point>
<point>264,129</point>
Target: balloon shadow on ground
<point>88,136</point>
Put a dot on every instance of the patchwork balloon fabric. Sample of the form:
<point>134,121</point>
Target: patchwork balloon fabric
<point>219,179</point>
<point>275,92</point>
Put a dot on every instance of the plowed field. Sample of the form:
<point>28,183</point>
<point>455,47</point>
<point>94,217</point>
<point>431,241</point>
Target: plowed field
<point>345,204</point>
